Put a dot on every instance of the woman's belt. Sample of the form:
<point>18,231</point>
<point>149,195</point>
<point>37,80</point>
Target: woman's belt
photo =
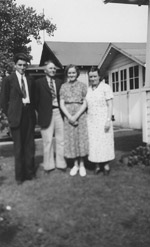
<point>55,107</point>
<point>73,102</point>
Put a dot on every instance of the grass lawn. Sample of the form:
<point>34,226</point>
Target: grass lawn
<point>62,211</point>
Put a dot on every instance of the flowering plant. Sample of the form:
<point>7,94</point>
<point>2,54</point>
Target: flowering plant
<point>138,156</point>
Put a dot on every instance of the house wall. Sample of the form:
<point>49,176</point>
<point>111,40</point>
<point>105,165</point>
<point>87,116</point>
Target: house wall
<point>127,103</point>
<point>120,61</point>
<point>146,115</point>
<point>83,77</point>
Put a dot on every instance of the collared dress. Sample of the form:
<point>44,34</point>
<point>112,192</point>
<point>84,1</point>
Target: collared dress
<point>75,137</point>
<point>101,143</point>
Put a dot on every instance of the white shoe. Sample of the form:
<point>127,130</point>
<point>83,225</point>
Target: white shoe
<point>82,171</point>
<point>74,170</point>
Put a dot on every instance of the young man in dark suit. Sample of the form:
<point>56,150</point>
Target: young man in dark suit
<point>50,118</point>
<point>17,104</point>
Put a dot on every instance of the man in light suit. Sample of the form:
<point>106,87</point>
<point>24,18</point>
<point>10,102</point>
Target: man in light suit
<point>17,104</point>
<point>50,118</point>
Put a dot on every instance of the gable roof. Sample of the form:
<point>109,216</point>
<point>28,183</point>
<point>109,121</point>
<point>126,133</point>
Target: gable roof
<point>78,53</point>
<point>134,51</point>
<point>89,53</point>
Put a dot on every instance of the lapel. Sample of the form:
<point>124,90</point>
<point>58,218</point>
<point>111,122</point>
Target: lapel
<point>57,87</point>
<point>45,84</point>
<point>29,86</point>
<point>16,83</point>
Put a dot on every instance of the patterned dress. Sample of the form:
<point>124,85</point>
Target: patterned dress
<point>76,137</point>
<point>101,143</point>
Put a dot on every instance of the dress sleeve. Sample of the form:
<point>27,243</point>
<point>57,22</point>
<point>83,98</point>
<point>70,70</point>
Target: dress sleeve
<point>62,92</point>
<point>84,91</point>
<point>108,92</point>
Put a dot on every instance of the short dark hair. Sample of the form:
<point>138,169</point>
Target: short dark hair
<point>93,69</point>
<point>21,56</point>
<point>96,69</point>
<point>72,66</point>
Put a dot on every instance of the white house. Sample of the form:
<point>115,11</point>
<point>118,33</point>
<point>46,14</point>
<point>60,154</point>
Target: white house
<point>124,64</point>
<point>121,64</point>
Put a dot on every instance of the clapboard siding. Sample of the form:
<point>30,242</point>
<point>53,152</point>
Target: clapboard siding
<point>148,115</point>
<point>120,61</point>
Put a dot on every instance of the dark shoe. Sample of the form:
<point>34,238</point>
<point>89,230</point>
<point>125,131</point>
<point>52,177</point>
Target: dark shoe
<point>47,172</point>
<point>106,171</point>
<point>62,169</point>
<point>97,170</point>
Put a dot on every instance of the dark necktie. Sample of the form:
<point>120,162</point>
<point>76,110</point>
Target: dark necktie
<point>23,87</point>
<point>50,83</point>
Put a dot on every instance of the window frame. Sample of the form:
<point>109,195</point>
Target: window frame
<point>135,79</point>
<point>126,67</point>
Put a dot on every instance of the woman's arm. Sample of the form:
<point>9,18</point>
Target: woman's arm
<point>109,114</point>
<point>65,111</point>
<point>81,110</point>
<point>109,108</point>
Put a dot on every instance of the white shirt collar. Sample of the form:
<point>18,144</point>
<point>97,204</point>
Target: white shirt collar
<point>19,75</point>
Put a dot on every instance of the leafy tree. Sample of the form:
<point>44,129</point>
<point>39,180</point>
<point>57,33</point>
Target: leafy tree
<point>17,25</point>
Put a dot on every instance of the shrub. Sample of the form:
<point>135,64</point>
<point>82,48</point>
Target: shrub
<point>3,121</point>
<point>138,156</point>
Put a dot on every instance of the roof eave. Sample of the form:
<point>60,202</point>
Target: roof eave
<point>128,55</point>
<point>47,49</point>
<point>135,2</point>
<point>106,60</point>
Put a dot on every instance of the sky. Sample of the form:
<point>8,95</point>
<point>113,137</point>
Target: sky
<point>90,21</point>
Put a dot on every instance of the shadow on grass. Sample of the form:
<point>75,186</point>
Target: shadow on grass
<point>128,141</point>
<point>38,161</point>
<point>8,230</point>
<point>2,179</point>
<point>7,233</point>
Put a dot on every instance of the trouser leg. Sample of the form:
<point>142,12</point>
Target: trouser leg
<point>48,149</point>
<point>23,138</point>
<point>28,145</point>
<point>59,139</point>
<point>16,136</point>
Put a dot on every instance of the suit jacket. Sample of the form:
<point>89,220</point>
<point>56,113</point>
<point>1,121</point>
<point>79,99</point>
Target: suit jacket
<point>43,100</point>
<point>11,99</point>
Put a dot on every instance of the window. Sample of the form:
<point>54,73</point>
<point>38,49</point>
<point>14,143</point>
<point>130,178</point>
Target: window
<point>134,77</point>
<point>106,79</point>
<point>143,73</point>
<point>123,78</point>
<point>115,82</point>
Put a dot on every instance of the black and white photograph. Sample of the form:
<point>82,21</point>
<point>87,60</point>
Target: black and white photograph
<point>74,123</point>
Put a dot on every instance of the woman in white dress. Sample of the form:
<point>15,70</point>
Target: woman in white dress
<point>100,130</point>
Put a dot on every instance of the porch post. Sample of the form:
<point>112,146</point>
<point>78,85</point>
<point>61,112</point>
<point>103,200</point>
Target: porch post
<point>146,89</point>
<point>147,82</point>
